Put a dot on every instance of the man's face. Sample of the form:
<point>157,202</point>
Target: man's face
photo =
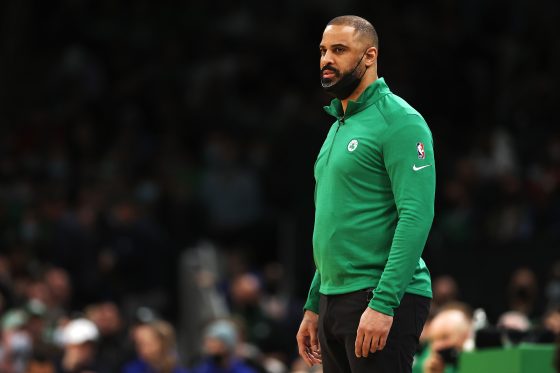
<point>446,338</point>
<point>78,355</point>
<point>449,330</point>
<point>340,51</point>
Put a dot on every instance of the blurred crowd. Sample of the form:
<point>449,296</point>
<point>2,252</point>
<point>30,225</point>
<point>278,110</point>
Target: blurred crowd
<point>133,131</point>
<point>41,332</point>
<point>248,329</point>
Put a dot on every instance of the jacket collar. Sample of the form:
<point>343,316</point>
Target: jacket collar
<point>372,93</point>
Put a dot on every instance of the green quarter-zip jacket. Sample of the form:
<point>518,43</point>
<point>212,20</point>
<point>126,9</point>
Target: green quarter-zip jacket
<point>374,201</point>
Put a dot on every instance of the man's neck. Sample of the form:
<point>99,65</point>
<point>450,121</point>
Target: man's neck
<point>366,82</point>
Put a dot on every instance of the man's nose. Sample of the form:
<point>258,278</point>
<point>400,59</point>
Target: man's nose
<point>441,345</point>
<point>326,59</point>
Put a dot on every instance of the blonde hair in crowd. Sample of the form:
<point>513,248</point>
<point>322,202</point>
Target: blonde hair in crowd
<point>166,335</point>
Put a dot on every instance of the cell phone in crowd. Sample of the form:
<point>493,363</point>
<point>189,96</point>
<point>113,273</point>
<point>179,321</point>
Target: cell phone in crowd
<point>449,355</point>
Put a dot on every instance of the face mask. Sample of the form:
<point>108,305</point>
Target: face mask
<point>523,293</point>
<point>20,344</point>
<point>343,87</point>
<point>217,359</point>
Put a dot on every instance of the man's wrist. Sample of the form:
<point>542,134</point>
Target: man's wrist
<point>310,315</point>
<point>377,305</point>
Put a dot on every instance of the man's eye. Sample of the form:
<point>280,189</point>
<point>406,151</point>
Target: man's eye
<point>338,50</point>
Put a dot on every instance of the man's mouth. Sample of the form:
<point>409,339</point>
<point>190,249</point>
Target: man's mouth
<point>328,74</point>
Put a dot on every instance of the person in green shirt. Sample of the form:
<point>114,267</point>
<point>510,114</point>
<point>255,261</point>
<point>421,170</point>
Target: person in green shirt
<point>374,206</point>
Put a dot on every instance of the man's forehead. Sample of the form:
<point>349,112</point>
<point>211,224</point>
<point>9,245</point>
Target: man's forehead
<point>339,34</point>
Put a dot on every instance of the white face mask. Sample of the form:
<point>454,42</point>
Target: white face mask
<point>20,344</point>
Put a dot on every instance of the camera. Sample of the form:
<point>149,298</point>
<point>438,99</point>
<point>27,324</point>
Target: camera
<point>449,355</point>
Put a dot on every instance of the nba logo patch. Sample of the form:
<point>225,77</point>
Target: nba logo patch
<point>420,150</point>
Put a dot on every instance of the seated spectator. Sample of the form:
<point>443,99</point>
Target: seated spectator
<point>552,321</point>
<point>450,333</point>
<point>16,344</point>
<point>156,348</point>
<point>113,347</point>
<point>79,338</point>
<point>40,363</point>
<point>514,326</point>
<point>262,330</point>
<point>523,292</point>
<point>445,290</point>
<point>220,344</point>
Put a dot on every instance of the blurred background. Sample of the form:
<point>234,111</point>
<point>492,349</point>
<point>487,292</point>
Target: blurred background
<point>156,163</point>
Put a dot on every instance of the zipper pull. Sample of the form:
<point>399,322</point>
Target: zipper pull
<point>341,120</point>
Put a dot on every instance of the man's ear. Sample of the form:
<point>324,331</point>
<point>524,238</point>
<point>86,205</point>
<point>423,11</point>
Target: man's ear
<point>371,56</point>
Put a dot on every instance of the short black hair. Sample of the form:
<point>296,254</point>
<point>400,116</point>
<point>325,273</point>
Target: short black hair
<point>362,26</point>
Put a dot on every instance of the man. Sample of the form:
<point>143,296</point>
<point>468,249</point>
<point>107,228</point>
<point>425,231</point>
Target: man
<point>220,343</point>
<point>451,332</point>
<point>79,338</point>
<point>374,201</point>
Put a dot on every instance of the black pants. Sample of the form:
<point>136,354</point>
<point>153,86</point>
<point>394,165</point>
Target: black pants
<point>339,317</point>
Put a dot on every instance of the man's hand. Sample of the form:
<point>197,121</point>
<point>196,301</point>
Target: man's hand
<point>372,332</point>
<point>308,344</point>
<point>433,363</point>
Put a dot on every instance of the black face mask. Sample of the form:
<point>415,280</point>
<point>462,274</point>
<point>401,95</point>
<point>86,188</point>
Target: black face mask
<point>218,359</point>
<point>523,293</point>
<point>344,87</point>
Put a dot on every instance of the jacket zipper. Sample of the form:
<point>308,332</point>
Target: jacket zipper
<point>340,120</point>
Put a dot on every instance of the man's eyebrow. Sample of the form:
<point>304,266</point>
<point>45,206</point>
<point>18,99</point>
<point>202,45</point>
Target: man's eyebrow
<point>338,45</point>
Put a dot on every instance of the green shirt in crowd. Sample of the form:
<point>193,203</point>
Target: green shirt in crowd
<point>374,201</point>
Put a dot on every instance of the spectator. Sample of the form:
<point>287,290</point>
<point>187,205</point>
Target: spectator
<point>514,326</point>
<point>79,338</point>
<point>221,341</point>
<point>40,363</point>
<point>247,303</point>
<point>16,344</point>
<point>113,350</point>
<point>522,292</point>
<point>36,325</point>
<point>59,285</point>
<point>552,322</point>
<point>514,320</point>
<point>156,349</point>
<point>445,290</point>
<point>450,334</point>
<point>552,289</point>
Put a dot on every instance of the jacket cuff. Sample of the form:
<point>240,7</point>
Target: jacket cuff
<point>311,305</point>
<point>377,305</point>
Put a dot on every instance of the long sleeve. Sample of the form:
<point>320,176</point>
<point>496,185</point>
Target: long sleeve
<point>409,160</point>
<point>312,303</point>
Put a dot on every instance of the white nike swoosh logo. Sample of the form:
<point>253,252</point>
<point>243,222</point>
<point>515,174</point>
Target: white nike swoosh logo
<point>414,168</point>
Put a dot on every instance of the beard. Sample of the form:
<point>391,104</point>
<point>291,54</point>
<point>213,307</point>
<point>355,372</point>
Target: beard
<point>342,85</point>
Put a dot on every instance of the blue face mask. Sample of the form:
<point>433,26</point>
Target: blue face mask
<point>343,87</point>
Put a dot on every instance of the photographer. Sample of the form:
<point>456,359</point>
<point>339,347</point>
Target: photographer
<point>450,333</point>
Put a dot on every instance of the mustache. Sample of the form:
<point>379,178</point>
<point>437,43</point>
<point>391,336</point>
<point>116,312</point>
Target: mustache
<point>330,68</point>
